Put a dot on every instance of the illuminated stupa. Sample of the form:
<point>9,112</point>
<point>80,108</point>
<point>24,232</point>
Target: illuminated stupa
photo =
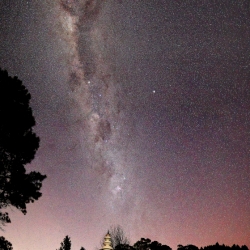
<point>107,244</point>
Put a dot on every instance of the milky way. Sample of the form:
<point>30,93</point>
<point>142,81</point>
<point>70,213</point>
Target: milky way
<point>95,91</point>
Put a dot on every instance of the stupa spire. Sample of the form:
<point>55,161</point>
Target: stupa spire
<point>107,243</point>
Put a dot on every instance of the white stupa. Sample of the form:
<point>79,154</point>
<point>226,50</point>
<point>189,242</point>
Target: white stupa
<point>107,244</point>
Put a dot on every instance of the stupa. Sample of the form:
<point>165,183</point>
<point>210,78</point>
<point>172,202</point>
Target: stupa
<point>107,243</point>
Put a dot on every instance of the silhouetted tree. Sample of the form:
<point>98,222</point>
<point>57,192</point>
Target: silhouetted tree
<point>155,245</point>
<point>82,248</point>
<point>18,145</point>
<point>4,244</point>
<point>65,244</point>
<point>124,247</point>
<point>165,247</point>
<point>244,247</point>
<point>187,247</point>
<point>147,244</point>
<point>142,244</point>
<point>118,236</point>
<point>217,246</point>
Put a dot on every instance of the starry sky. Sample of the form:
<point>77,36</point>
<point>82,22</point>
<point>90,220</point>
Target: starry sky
<point>143,111</point>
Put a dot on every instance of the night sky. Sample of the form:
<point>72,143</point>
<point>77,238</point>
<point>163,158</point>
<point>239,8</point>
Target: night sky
<point>143,111</point>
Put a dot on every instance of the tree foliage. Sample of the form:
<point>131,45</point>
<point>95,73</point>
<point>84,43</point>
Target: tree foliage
<point>18,145</point>
<point>147,244</point>
<point>4,244</point>
<point>124,247</point>
<point>142,244</point>
<point>217,246</point>
<point>65,244</point>
<point>187,247</point>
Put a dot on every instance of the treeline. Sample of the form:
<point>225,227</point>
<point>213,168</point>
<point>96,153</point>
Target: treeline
<point>147,244</point>
<point>217,246</point>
